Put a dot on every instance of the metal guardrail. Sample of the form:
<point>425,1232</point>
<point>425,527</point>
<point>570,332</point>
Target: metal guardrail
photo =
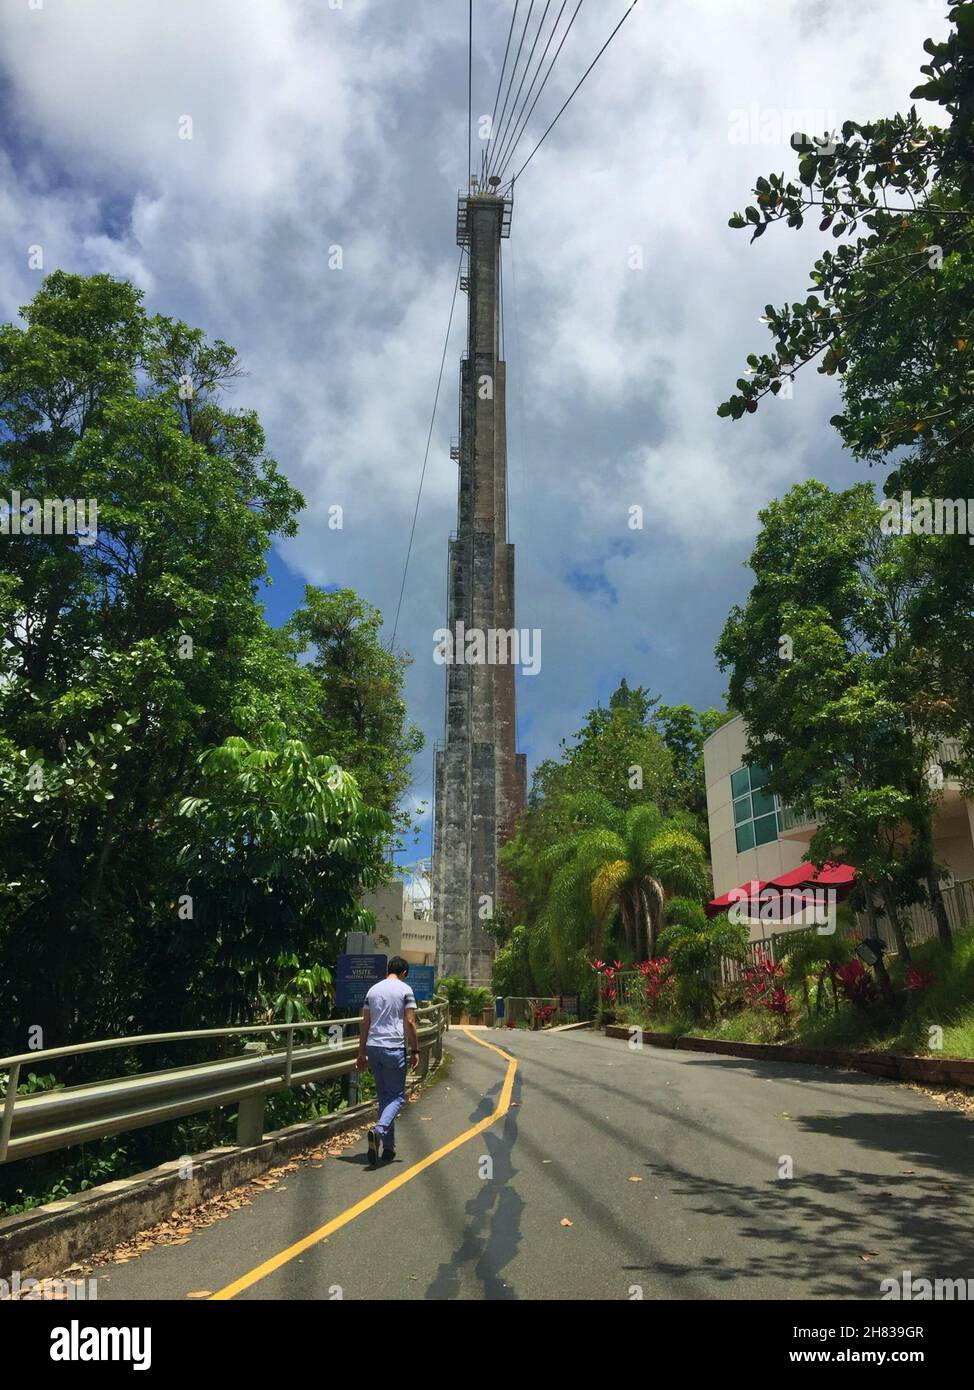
<point>56,1119</point>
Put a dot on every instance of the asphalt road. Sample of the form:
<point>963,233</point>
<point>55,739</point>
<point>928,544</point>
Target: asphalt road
<point>880,1184</point>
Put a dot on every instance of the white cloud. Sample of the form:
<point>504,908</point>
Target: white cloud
<point>315,126</point>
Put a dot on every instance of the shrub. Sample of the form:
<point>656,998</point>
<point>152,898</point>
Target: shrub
<point>478,998</point>
<point>856,985</point>
<point>454,990</point>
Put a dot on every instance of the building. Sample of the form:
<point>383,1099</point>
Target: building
<point>402,928</point>
<point>480,778</point>
<point>752,836</point>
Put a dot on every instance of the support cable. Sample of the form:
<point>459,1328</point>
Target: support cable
<point>510,81</point>
<point>500,83</point>
<point>515,114</point>
<point>512,148</point>
<point>429,440</point>
<point>574,90</point>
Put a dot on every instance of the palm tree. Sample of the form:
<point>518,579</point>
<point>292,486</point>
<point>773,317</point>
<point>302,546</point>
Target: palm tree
<point>613,863</point>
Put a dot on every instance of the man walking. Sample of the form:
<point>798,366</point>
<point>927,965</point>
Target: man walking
<point>388,1022</point>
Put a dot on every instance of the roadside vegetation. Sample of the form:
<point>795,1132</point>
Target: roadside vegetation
<point>190,798</point>
<point>819,996</point>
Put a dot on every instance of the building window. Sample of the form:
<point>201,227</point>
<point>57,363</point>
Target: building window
<point>757,814</point>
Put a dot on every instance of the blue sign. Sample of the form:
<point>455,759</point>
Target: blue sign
<point>420,980</point>
<point>355,976</point>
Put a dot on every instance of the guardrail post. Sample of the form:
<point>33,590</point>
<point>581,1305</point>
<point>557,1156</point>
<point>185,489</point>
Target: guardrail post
<point>250,1121</point>
<point>289,1058</point>
<point>13,1079</point>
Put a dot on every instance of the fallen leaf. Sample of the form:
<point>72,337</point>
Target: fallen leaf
<point>565,1221</point>
<point>199,1293</point>
<point>869,1255</point>
<point>547,1160</point>
<point>635,1179</point>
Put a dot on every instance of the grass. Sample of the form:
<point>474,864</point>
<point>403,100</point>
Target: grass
<point>947,1005</point>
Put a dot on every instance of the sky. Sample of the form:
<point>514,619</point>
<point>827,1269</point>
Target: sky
<point>217,152</point>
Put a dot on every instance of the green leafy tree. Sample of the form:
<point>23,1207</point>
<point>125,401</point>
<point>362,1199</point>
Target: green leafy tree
<point>278,843</point>
<point>889,313</point>
<point>356,712</point>
<point>129,652</point>
<point>822,668</point>
<point>620,866</point>
<point>684,731</point>
<point>696,947</point>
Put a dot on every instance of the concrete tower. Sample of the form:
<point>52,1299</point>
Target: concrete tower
<point>480,778</point>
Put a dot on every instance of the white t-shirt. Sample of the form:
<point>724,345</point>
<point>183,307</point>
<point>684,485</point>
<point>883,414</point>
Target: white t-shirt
<point>387,1002</point>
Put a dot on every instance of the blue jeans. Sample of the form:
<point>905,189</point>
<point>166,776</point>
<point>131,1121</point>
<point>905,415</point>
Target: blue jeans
<point>389,1069</point>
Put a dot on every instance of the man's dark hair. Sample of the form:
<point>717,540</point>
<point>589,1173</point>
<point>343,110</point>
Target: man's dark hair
<point>398,966</point>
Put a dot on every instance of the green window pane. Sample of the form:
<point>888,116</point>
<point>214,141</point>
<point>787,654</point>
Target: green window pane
<point>759,777</point>
<point>739,782</point>
<point>745,836</point>
<point>763,803</point>
<point>765,829</point>
<point>742,810</point>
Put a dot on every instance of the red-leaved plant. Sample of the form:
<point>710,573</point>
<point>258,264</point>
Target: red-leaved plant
<point>856,985</point>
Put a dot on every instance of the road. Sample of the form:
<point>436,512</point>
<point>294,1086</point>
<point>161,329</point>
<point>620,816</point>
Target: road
<point>881,1184</point>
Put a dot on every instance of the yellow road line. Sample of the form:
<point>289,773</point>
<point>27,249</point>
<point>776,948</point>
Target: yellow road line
<point>261,1271</point>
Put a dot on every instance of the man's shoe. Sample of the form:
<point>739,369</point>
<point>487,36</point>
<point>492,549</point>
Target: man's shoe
<point>373,1136</point>
<point>388,1155</point>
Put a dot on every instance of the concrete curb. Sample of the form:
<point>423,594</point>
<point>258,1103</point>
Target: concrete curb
<point>47,1239</point>
<point>935,1071</point>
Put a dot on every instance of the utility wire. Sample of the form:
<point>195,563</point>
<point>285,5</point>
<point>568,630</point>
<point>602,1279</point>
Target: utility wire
<point>527,67</point>
<point>500,83</point>
<point>429,440</point>
<point>510,82</point>
<point>578,84</point>
<point>505,162</point>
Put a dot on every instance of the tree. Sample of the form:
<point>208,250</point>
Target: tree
<point>822,668</point>
<point>695,948</point>
<point>277,843</point>
<point>629,755</point>
<point>620,864</point>
<point>890,312</point>
<point>126,654</point>
<point>684,731</point>
<point>356,711</point>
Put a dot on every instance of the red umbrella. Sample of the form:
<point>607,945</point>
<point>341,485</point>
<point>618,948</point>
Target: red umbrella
<point>798,884</point>
<point>747,892</point>
<point>841,877</point>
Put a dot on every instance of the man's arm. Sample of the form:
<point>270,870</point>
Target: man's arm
<point>412,1037</point>
<point>363,1036</point>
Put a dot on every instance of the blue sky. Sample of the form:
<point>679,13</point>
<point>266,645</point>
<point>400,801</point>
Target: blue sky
<point>630,304</point>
